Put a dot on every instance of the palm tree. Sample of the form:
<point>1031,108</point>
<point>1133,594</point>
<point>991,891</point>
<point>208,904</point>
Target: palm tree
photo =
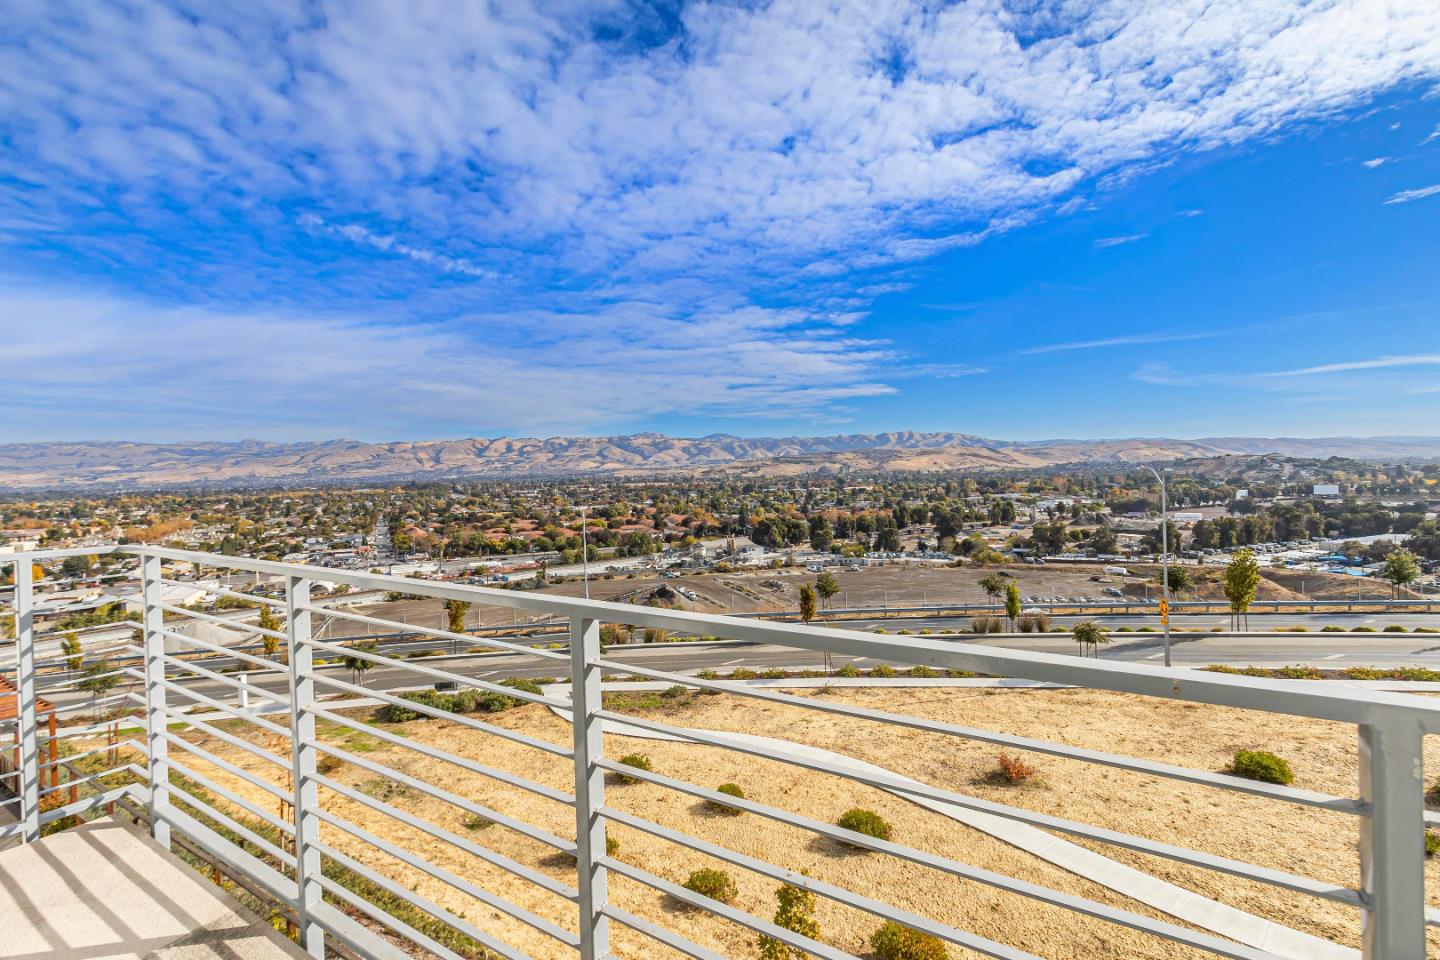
<point>358,665</point>
<point>1090,634</point>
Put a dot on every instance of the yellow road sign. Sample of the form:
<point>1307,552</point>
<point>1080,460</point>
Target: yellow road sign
<point>1164,610</point>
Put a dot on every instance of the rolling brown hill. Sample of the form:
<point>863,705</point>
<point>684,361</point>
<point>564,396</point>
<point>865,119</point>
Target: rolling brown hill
<point>125,465</point>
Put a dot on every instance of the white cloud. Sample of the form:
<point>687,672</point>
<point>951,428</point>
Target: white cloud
<point>766,128</point>
<point>212,373</point>
<point>1127,340</point>
<point>1106,242</point>
<point>1374,162</point>
<point>1420,193</point>
<point>1377,363</point>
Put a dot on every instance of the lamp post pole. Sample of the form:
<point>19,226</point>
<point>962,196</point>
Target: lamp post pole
<point>585,552</point>
<point>1164,558</point>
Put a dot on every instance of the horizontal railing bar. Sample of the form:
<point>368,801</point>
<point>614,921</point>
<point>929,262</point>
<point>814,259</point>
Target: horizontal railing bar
<point>420,903</point>
<point>234,860</point>
<point>910,788</point>
<point>231,682</point>
<point>670,938</point>
<point>219,620</point>
<point>462,719</point>
<point>122,768</point>
<point>282,762</point>
<point>384,918</point>
<point>923,858</point>
<point>65,684</point>
<point>459,883</point>
<point>969,941</point>
<point>222,650</point>
<point>445,675</point>
<point>226,708</point>
<point>763,927</point>
<point>1271,696</point>
<point>357,938</point>
<point>227,794</point>
<point>229,823</point>
<point>514,780</point>
<point>436,632</point>
<point>226,592</point>
<point>80,806</point>
<point>464,803</point>
<point>409,818</point>
<point>81,755</point>
<point>1119,761</point>
<point>95,704</point>
<point>259,783</point>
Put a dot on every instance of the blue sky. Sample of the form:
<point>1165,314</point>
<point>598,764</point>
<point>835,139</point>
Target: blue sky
<point>404,221</point>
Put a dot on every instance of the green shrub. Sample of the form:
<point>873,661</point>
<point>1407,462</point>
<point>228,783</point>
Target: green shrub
<point>707,674</point>
<point>1396,628</point>
<point>1364,673</point>
<point>674,692</point>
<point>477,822</point>
<point>987,625</point>
<point>880,630</point>
<point>868,822</point>
<point>637,760</point>
<point>612,846</point>
<point>849,670</point>
<point>1426,630</point>
<point>1362,629</point>
<point>923,672</point>
<point>1299,673</point>
<point>742,673</point>
<point>903,633</point>
<point>1261,765</point>
<point>895,942</point>
<point>884,671</point>
<point>1432,843</point>
<point>773,674</point>
<point>1332,629</point>
<point>730,790</point>
<point>715,884</point>
<point>796,913</point>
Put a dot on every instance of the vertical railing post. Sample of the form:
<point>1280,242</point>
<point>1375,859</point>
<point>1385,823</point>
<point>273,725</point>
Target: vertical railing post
<point>26,694</point>
<point>592,878</point>
<point>152,621</point>
<point>1392,841</point>
<point>302,756</point>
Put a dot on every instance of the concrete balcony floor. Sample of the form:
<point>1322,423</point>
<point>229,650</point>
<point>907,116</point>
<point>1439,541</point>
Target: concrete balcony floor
<point>107,890</point>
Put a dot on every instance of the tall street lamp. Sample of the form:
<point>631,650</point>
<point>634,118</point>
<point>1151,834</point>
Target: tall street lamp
<point>1164,557</point>
<point>585,552</point>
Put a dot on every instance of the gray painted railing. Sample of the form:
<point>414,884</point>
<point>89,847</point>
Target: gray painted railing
<point>286,853</point>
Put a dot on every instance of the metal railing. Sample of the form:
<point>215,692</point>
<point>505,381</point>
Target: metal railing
<point>268,813</point>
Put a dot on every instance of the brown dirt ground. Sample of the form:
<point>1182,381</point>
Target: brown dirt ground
<point>1296,839</point>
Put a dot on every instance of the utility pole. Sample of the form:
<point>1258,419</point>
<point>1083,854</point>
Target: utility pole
<point>1164,559</point>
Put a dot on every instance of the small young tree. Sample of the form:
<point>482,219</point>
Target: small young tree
<point>796,913</point>
<point>1090,634</point>
<point>97,680</point>
<point>993,584</point>
<point>455,611</point>
<point>1242,578</point>
<point>826,587</point>
<point>73,651</point>
<point>1012,604</point>
<point>807,602</point>
<point>268,621</point>
<point>1179,579</point>
<point>1400,570</point>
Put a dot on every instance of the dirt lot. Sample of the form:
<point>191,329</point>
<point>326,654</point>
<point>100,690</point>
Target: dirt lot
<point>1300,840</point>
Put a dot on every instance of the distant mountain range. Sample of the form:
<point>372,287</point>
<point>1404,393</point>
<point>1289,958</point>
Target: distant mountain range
<point>122,465</point>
